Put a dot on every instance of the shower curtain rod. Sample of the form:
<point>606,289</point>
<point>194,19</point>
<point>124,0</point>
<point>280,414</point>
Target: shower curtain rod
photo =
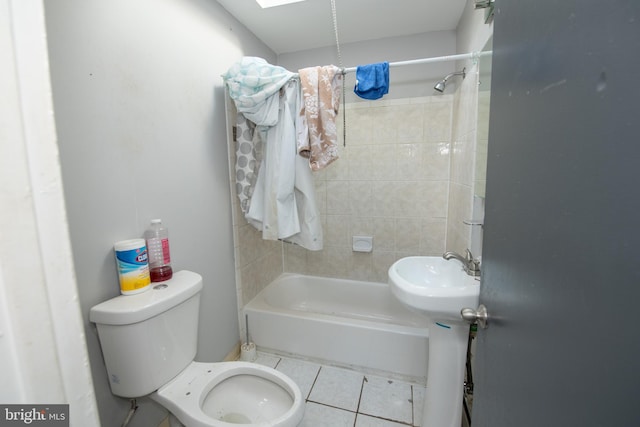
<point>472,55</point>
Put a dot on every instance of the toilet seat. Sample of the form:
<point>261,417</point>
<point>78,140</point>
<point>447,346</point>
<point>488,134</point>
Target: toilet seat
<point>190,396</point>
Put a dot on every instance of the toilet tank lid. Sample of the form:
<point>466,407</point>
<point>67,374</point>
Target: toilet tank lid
<point>128,309</point>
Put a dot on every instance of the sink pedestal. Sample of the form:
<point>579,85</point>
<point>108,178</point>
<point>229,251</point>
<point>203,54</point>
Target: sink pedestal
<point>439,289</point>
<point>445,374</point>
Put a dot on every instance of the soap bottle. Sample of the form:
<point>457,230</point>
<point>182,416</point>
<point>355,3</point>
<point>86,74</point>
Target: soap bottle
<point>157,238</point>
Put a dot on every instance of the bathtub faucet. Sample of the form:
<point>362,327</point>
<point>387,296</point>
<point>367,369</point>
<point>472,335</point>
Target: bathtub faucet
<point>470,264</point>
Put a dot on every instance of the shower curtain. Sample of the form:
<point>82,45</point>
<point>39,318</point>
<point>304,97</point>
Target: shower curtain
<point>282,203</point>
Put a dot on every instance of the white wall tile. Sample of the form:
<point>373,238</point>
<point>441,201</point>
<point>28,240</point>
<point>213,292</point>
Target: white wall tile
<point>391,182</point>
<point>408,234</point>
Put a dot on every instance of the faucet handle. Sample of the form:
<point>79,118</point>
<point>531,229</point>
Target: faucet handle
<point>469,256</point>
<point>473,265</point>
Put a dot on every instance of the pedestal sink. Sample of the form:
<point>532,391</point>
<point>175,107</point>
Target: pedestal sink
<point>439,289</point>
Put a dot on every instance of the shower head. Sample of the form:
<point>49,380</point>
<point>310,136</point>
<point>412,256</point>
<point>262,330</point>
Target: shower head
<point>440,85</point>
<point>443,83</point>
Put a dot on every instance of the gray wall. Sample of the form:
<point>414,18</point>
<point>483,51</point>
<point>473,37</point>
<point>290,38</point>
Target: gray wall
<point>473,32</point>
<point>139,110</point>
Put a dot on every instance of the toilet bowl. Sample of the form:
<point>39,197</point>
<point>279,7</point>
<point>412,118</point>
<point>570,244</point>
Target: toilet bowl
<point>232,393</point>
<point>149,341</point>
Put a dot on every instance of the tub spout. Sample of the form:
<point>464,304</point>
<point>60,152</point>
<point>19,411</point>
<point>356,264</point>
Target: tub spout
<point>470,264</point>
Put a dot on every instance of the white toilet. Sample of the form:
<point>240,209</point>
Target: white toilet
<point>149,341</point>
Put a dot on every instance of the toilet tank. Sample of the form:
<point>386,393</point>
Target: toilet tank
<point>149,338</point>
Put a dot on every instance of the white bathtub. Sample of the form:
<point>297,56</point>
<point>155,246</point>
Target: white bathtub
<point>344,322</point>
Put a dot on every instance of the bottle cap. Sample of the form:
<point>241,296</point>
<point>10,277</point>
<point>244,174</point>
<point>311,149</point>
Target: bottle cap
<point>156,221</point>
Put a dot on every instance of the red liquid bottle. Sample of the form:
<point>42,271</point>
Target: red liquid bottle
<point>157,238</point>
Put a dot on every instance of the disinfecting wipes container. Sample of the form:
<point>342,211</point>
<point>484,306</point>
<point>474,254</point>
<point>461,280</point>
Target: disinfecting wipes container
<point>132,265</point>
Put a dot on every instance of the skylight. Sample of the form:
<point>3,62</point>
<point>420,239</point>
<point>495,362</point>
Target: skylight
<point>271,3</point>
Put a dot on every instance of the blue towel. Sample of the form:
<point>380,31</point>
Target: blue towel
<point>372,81</point>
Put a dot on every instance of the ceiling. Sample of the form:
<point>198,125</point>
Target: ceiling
<point>309,24</point>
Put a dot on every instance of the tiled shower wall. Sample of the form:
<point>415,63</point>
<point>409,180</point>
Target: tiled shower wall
<point>463,162</point>
<point>257,261</point>
<point>391,182</point>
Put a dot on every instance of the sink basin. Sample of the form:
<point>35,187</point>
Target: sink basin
<point>436,287</point>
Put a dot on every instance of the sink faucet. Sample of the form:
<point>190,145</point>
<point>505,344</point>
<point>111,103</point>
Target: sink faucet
<point>471,265</point>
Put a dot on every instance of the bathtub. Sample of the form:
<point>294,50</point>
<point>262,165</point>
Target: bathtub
<point>343,322</point>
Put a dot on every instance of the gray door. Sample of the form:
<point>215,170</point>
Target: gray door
<point>561,273</point>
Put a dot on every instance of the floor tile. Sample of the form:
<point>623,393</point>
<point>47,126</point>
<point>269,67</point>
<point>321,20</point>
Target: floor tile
<point>267,359</point>
<point>419,393</point>
<point>367,421</point>
<point>390,399</point>
<point>316,415</point>
<point>301,372</point>
<point>337,387</point>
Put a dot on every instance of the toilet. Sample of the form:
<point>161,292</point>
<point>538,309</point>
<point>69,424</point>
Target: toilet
<point>149,341</point>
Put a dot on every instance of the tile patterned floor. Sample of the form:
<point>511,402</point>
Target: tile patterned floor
<point>337,397</point>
